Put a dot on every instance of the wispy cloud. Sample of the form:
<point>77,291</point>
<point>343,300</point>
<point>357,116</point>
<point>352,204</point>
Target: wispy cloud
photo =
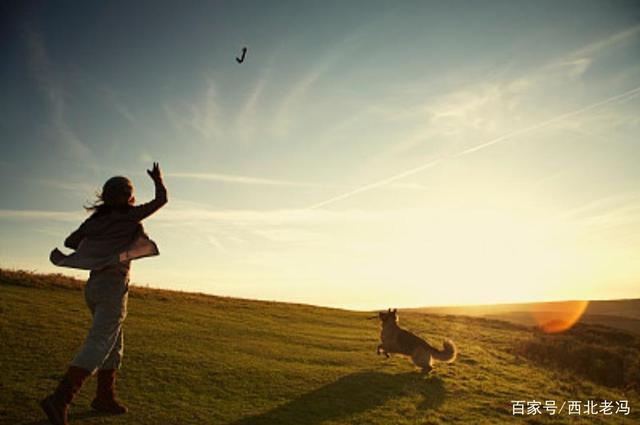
<point>49,232</point>
<point>246,118</point>
<point>608,42</point>
<point>613,219</point>
<point>294,98</point>
<point>622,97</point>
<point>259,181</point>
<point>41,215</point>
<point>629,94</point>
<point>500,100</point>
<point>232,178</point>
<point>488,108</point>
<point>201,116</point>
<point>42,71</point>
<point>70,186</point>
<point>118,105</point>
<point>262,219</point>
<point>620,202</point>
<point>189,213</point>
<point>216,242</point>
<point>574,64</point>
<point>376,184</point>
<point>283,118</point>
<point>290,235</point>
<point>205,117</point>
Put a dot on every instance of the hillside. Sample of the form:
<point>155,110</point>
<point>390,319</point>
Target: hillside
<point>619,314</point>
<point>197,359</point>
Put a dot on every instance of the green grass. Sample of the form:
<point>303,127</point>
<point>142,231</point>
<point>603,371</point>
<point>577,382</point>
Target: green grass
<point>196,359</point>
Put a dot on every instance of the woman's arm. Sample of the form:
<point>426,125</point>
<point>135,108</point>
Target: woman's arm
<point>74,239</point>
<point>143,211</point>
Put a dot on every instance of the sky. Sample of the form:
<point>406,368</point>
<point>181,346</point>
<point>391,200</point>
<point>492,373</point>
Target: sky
<point>364,155</point>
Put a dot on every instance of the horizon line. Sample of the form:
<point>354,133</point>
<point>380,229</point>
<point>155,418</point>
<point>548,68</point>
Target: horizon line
<point>148,286</point>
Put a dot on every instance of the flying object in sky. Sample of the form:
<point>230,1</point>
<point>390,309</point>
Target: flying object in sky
<point>241,58</point>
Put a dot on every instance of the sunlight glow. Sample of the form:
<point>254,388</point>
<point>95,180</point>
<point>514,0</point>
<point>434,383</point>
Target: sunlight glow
<point>563,316</point>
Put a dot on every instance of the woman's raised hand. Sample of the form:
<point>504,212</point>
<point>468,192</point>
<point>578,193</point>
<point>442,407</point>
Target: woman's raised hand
<point>155,172</point>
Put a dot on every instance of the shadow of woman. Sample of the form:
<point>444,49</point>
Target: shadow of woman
<point>73,416</point>
<point>352,394</point>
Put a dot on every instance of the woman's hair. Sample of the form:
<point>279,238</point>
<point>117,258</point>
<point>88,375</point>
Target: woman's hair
<point>115,196</point>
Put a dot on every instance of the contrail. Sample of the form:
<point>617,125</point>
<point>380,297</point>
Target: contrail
<point>617,98</point>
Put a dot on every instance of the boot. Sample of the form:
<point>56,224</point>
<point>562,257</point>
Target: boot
<point>105,400</point>
<point>56,405</point>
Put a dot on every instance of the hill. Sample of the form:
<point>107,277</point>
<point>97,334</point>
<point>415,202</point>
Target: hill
<point>198,359</point>
<point>619,314</point>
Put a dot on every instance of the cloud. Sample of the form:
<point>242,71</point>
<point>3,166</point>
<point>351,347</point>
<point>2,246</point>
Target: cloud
<point>49,232</point>
<point>608,42</point>
<point>41,70</point>
<point>205,117</point>
<point>574,64</point>
<point>260,217</point>
<point>621,202</point>
<point>118,105</point>
<point>283,119</point>
<point>31,215</point>
<point>289,235</point>
<point>298,91</point>
<point>228,231</point>
<point>232,178</point>
<point>70,186</point>
<point>145,157</point>
<point>375,184</point>
<point>189,212</point>
<point>216,243</point>
<point>258,181</point>
<point>494,110</point>
<point>622,97</point>
<point>613,221</point>
<point>629,94</point>
<point>494,104</point>
<point>201,116</point>
<point>246,118</point>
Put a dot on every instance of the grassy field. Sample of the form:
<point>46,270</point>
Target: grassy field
<point>196,359</point>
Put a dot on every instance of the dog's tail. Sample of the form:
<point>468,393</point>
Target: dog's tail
<point>448,353</point>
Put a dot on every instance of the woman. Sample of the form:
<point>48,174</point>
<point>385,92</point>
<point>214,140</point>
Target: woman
<point>105,243</point>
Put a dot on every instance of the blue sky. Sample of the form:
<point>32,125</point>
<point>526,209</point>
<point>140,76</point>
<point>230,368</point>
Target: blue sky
<point>365,154</point>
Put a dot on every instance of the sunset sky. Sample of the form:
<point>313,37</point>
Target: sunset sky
<point>365,154</point>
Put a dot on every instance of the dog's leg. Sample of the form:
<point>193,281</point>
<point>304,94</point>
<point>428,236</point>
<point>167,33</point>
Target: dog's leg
<point>429,366</point>
<point>422,359</point>
<point>381,348</point>
<point>427,370</point>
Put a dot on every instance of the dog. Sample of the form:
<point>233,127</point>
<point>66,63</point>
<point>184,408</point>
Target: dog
<point>396,340</point>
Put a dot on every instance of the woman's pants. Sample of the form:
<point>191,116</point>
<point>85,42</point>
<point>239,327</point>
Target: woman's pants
<point>106,295</point>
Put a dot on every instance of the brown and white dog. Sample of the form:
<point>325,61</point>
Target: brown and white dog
<point>396,340</point>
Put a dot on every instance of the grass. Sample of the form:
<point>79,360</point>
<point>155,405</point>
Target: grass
<point>196,359</point>
<point>600,354</point>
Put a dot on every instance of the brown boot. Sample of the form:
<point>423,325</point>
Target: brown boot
<point>56,405</point>
<point>105,400</point>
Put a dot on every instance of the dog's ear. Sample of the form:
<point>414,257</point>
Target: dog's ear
<point>395,310</point>
<point>389,310</point>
